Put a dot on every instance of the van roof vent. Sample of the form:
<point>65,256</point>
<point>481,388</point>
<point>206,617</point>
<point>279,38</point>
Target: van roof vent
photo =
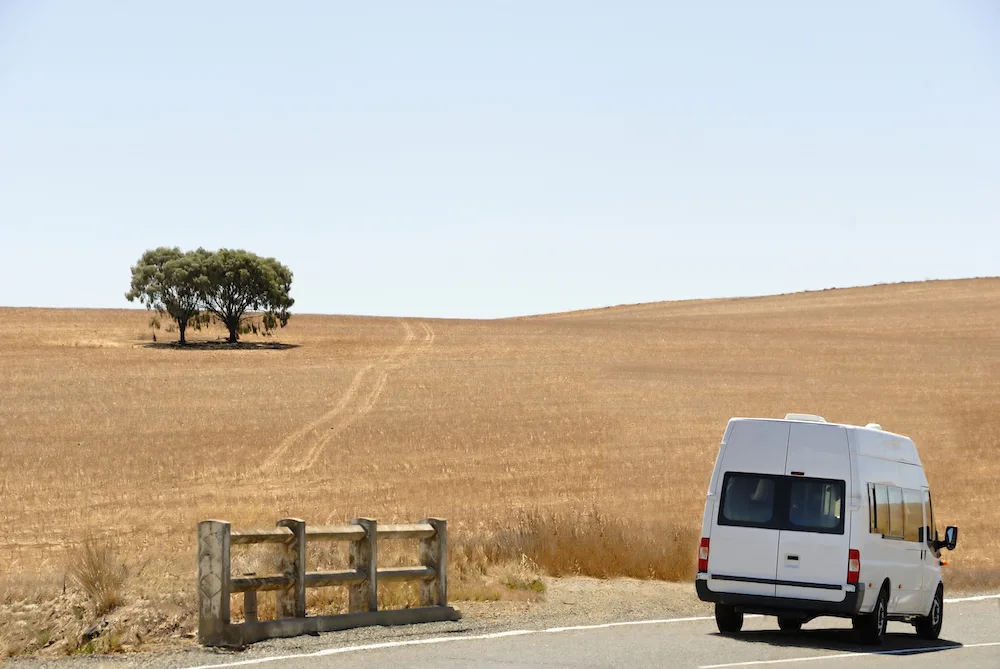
<point>807,417</point>
<point>874,426</point>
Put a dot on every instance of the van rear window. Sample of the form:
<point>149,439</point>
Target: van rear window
<point>792,503</point>
<point>748,498</point>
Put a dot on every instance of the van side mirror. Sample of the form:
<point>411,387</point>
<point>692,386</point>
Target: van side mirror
<point>950,537</point>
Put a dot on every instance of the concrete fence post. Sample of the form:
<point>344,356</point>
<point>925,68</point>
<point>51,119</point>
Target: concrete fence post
<point>250,602</point>
<point>364,557</point>
<point>434,554</point>
<point>291,602</point>
<point>213,581</point>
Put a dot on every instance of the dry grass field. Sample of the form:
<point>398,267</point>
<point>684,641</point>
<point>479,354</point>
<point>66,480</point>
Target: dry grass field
<point>571,443</point>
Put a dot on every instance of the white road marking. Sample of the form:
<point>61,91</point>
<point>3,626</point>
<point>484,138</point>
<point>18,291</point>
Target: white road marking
<point>370,646</point>
<point>432,640</point>
<point>630,623</point>
<point>981,598</point>
<point>812,658</point>
<point>555,630</point>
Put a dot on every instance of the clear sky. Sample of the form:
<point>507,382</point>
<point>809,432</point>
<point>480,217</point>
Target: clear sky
<point>486,159</point>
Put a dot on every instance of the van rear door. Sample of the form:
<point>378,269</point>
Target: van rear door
<point>813,546</point>
<point>744,549</point>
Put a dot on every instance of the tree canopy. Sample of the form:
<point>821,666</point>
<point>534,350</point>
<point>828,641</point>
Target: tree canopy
<point>241,290</point>
<point>164,279</point>
<point>237,281</point>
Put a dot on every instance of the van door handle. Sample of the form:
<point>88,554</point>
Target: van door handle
<point>793,558</point>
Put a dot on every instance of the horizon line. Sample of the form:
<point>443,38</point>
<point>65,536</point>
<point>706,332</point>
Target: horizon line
<point>583,310</point>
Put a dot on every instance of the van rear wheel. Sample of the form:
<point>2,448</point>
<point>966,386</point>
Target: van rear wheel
<point>871,627</point>
<point>789,624</point>
<point>929,627</point>
<point>728,619</point>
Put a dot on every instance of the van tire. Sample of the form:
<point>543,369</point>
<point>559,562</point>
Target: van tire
<point>728,619</point>
<point>789,624</point>
<point>871,627</point>
<point>929,626</point>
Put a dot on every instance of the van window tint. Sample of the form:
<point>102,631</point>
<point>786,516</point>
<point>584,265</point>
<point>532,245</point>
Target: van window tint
<point>879,500</point>
<point>913,514</point>
<point>900,513</point>
<point>930,531</point>
<point>895,512</point>
<point>815,504</point>
<point>782,503</point>
<point>748,499</point>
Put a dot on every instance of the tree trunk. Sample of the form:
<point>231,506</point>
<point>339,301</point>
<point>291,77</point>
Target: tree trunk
<point>182,326</point>
<point>234,327</point>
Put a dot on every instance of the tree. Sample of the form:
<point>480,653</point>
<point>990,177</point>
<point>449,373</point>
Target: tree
<point>236,283</point>
<point>169,281</point>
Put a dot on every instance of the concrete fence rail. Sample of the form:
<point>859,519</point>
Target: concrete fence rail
<point>216,583</point>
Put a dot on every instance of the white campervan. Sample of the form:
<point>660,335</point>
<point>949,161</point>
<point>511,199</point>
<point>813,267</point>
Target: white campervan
<point>806,518</point>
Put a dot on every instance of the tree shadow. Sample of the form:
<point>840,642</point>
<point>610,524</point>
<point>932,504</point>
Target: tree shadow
<point>846,640</point>
<point>220,345</point>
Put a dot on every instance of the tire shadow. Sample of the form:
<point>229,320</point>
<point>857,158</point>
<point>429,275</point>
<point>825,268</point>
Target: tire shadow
<point>846,641</point>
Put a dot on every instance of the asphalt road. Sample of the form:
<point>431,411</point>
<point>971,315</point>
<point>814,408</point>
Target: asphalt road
<point>970,639</point>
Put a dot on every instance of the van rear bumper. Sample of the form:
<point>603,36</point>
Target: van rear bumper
<point>775,606</point>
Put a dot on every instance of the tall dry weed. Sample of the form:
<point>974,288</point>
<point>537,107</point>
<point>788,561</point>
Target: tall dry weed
<point>96,566</point>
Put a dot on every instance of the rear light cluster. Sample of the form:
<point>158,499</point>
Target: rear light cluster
<point>703,555</point>
<point>853,566</point>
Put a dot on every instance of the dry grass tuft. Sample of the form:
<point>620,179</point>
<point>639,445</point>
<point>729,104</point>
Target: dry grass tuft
<point>591,543</point>
<point>96,567</point>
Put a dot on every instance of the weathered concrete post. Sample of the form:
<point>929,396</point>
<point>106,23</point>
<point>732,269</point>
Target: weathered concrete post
<point>434,554</point>
<point>364,558</point>
<point>213,582</point>
<point>250,602</point>
<point>291,602</point>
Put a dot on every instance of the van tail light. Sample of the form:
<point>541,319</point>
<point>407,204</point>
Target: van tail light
<point>853,566</point>
<point>703,555</point>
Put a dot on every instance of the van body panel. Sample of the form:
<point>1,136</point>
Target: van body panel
<point>817,450</point>
<point>746,555</point>
<point>758,446</point>
<point>822,560</point>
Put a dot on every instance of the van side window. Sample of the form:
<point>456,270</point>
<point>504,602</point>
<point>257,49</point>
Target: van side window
<point>913,514</point>
<point>879,500</point>
<point>930,531</point>
<point>895,512</point>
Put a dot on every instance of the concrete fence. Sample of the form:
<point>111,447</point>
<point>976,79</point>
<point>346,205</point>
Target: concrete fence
<point>216,583</point>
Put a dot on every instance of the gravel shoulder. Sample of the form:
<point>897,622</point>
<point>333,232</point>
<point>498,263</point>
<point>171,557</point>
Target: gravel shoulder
<point>567,602</point>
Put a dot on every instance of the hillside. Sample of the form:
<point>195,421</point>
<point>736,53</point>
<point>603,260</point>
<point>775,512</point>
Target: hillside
<point>612,414</point>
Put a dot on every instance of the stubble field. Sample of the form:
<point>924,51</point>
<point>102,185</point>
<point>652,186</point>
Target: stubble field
<point>573,443</point>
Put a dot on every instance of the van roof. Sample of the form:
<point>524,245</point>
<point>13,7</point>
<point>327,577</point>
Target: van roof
<point>871,439</point>
<point>812,418</point>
